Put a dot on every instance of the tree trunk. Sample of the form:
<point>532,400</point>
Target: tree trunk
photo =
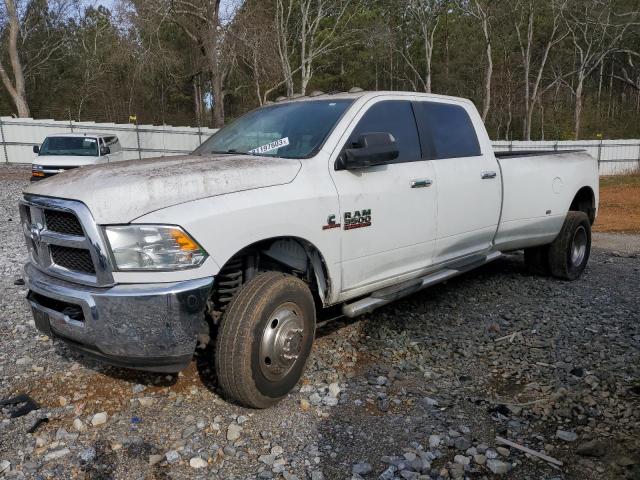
<point>489,68</point>
<point>529,120</point>
<point>427,84</point>
<point>218,100</point>
<point>16,89</point>
<point>526,60</point>
<point>447,58</point>
<point>428,53</point>
<point>487,84</point>
<point>578,110</point>
<point>282,29</point>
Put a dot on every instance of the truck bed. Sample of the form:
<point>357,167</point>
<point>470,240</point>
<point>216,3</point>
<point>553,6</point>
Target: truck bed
<point>537,193</point>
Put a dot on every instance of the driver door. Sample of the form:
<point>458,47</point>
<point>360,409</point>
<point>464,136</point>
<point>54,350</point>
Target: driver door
<point>388,212</point>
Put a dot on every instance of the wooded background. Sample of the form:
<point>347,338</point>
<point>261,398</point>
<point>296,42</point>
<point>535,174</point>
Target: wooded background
<point>536,69</point>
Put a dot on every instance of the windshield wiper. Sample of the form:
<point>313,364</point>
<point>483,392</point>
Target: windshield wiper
<point>231,151</point>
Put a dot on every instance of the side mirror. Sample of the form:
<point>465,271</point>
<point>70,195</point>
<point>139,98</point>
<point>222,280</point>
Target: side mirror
<point>104,151</point>
<point>371,149</point>
<point>36,149</point>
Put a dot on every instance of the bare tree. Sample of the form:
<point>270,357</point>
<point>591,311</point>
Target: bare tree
<point>596,30</point>
<point>93,46</point>
<point>481,11</point>
<point>426,14</point>
<point>525,11</point>
<point>255,50</point>
<point>202,22</point>
<point>310,29</point>
<point>16,86</point>
<point>285,39</point>
<point>629,63</point>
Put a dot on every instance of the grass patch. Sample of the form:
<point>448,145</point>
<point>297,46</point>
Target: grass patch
<point>620,181</point>
<point>619,204</point>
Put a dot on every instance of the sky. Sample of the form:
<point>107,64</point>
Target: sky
<point>227,7</point>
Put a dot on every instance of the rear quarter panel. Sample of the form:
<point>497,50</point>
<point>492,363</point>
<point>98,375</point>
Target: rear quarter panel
<point>538,191</point>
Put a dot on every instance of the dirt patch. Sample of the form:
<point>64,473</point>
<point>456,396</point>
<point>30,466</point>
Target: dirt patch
<point>619,204</point>
<point>106,391</point>
<point>15,172</point>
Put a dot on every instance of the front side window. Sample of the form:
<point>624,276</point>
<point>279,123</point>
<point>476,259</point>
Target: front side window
<point>290,130</point>
<point>76,146</point>
<point>446,130</point>
<point>394,117</point>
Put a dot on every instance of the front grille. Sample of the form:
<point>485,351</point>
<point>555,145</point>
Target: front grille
<point>76,259</point>
<point>63,222</point>
<point>62,239</point>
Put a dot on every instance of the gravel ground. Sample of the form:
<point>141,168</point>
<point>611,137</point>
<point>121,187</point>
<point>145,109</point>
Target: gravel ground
<point>419,389</point>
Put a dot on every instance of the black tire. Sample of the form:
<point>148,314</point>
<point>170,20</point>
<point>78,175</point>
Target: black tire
<point>537,260</point>
<point>245,372</point>
<point>569,252</point>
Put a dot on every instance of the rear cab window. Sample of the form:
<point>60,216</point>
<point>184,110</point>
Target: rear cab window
<point>446,131</point>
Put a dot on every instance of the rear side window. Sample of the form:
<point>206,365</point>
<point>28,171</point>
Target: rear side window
<point>396,118</point>
<point>446,131</point>
<point>112,143</point>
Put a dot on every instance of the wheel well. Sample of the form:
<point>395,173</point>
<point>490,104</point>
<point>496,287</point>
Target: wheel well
<point>584,201</point>
<point>292,255</point>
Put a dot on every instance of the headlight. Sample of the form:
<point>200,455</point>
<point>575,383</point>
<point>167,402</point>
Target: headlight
<point>153,247</point>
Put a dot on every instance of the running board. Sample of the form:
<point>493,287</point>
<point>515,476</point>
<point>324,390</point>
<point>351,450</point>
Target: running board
<point>389,294</point>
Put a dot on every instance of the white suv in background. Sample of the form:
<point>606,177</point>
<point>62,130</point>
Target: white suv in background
<point>65,151</point>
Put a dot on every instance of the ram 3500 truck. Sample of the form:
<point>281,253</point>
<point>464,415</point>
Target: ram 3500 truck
<point>349,200</point>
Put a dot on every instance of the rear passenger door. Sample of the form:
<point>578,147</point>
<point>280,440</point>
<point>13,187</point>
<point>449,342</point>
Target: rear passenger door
<point>388,212</point>
<point>469,184</point>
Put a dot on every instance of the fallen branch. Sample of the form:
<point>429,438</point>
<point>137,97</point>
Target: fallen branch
<point>542,364</point>
<point>509,337</point>
<point>543,456</point>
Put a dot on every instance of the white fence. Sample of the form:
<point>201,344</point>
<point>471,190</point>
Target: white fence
<point>615,157</point>
<point>18,136</point>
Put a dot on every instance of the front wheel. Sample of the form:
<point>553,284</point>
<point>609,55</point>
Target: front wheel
<point>569,252</point>
<point>265,338</point>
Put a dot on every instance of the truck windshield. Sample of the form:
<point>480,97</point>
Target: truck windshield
<point>76,146</point>
<point>290,130</point>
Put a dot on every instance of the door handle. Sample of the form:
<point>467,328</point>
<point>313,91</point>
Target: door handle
<point>421,183</point>
<point>488,175</point>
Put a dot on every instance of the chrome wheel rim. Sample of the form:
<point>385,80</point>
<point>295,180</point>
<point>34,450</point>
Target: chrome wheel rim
<point>281,342</point>
<point>578,246</point>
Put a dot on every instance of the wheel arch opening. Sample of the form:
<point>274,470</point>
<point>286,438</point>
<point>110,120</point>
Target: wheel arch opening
<point>293,255</point>
<point>585,201</point>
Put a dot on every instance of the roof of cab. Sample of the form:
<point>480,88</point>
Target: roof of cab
<point>356,93</point>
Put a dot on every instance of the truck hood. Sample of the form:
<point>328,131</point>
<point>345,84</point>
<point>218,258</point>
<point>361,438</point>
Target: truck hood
<point>64,160</point>
<point>121,192</point>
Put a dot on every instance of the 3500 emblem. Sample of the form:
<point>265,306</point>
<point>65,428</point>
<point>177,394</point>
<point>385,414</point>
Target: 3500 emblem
<point>357,219</point>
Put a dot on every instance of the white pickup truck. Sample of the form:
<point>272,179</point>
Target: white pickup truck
<point>349,200</point>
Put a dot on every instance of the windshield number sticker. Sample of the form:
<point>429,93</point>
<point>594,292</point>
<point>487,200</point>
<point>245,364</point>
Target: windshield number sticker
<point>283,142</point>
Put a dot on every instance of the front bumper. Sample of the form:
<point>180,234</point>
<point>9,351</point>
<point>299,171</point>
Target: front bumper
<point>146,326</point>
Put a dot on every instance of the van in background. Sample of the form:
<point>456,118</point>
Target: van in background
<point>66,151</point>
